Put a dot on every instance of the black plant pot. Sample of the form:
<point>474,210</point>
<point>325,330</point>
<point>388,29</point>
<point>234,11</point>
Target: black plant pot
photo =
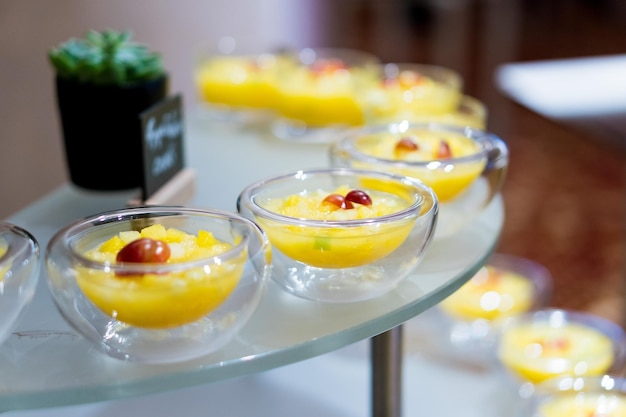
<point>102,131</point>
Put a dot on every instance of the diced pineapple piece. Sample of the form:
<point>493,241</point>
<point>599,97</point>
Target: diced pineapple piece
<point>129,236</point>
<point>156,231</point>
<point>113,245</point>
<point>177,252</point>
<point>205,239</point>
<point>174,235</point>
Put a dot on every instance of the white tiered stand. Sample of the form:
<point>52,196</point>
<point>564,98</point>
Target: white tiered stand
<point>46,364</point>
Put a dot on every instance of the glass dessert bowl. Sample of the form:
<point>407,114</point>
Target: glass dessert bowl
<point>549,343</point>
<point>465,167</point>
<point>342,235</point>
<point>464,326</point>
<point>469,318</point>
<point>603,395</point>
<point>470,112</point>
<point>506,286</point>
<point>407,91</point>
<point>19,274</point>
<point>158,284</point>
<point>319,93</point>
<point>237,81</point>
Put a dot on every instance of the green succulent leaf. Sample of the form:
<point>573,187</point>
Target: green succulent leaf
<point>107,57</point>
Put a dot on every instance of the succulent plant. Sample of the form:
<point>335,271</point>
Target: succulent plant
<point>106,57</point>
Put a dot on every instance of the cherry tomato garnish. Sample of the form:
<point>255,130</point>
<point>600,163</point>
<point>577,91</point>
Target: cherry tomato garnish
<point>145,250</point>
<point>444,150</point>
<point>338,201</point>
<point>359,197</point>
<point>405,145</point>
<point>328,66</point>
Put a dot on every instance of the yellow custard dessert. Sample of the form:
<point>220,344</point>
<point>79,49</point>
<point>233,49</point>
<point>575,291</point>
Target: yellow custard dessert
<point>5,265</point>
<point>340,245</point>
<point>470,112</point>
<point>491,294</point>
<point>431,149</point>
<point>411,95</point>
<point>324,94</point>
<point>161,300</point>
<point>538,351</point>
<point>584,405</point>
<point>241,81</point>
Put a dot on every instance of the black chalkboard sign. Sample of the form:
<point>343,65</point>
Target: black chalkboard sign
<point>162,142</point>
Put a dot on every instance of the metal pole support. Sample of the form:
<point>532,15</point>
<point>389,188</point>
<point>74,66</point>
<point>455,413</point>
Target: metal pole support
<point>386,361</point>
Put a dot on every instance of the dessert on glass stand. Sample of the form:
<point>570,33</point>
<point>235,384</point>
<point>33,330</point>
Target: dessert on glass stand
<point>158,284</point>
<point>464,166</point>
<point>420,93</point>
<point>19,274</point>
<point>237,81</point>
<point>572,396</point>
<point>549,343</point>
<point>342,235</point>
<point>467,321</point>
<point>319,95</point>
<point>470,112</point>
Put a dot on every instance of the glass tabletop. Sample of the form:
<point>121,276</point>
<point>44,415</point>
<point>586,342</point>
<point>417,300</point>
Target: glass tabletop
<point>45,363</point>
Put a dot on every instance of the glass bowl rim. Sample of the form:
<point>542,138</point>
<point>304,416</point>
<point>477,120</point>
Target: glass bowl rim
<point>448,73</point>
<point>545,314</point>
<point>541,278</point>
<point>250,193</point>
<point>28,243</point>
<point>346,143</point>
<point>567,384</point>
<point>363,58</point>
<point>473,104</point>
<point>610,329</point>
<point>81,226</point>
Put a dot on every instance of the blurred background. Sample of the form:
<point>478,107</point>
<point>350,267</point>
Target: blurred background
<point>565,194</point>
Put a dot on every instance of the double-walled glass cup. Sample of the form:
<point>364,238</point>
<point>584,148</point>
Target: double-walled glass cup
<point>468,320</point>
<point>325,251</point>
<point>567,396</point>
<point>237,79</point>
<point>465,167</point>
<point>408,91</point>
<point>19,274</point>
<point>537,346</point>
<point>135,303</point>
<point>506,286</point>
<point>318,95</point>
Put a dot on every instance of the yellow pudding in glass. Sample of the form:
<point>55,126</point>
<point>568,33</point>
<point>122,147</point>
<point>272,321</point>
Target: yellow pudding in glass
<point>157,294</point>
<point>412,92</point>
<point>493,293</point>
<point>432,148</point>
<point>584,405</point>
<point>342,246</point>
<point>321,96</point>
<point>341,235</point>
<point>4,266</point>
<point>241,82</point>
<point>321,90</point>
<point>470,112</point>
<point>539,350</point>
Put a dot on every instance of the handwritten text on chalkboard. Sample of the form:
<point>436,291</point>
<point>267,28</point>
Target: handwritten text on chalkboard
<point>163,133</point>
